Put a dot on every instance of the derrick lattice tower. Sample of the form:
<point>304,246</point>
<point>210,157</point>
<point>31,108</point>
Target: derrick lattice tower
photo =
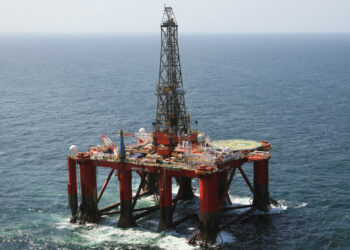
<point>171,108</point>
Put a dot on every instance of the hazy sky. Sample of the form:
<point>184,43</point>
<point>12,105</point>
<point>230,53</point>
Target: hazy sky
<point>91,16</point>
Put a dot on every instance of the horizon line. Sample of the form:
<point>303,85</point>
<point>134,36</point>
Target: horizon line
<point>182,33</point>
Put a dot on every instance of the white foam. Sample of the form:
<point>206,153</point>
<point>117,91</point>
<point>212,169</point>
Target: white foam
<point>66,225</point>
<point>236,200</point>
<point>93,234</point>
<point>239,201</point>
<point>299,205</point>
<point>108,232</point>
<point>174,242</point>
<point>277,209</point>
<point>100,234</point>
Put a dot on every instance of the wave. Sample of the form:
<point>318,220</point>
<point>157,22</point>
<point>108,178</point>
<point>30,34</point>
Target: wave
<point>145,234</point>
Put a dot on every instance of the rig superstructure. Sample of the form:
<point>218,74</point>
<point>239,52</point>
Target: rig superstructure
<point>172,150</point>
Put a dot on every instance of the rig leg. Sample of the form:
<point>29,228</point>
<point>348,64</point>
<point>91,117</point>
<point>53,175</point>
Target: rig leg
<point>126,218</point>
<point>88,207</point>
<point>187,191</point>
<point>166,216</point>
<point>72,187</point>
<point>261,199</point>
<point>208,227</point>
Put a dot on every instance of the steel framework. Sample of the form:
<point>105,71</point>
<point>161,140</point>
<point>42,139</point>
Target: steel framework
<point>171,108</point>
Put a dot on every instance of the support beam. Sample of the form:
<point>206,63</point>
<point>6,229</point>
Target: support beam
<point>117,204</point>
<point>156,198</point>
<point>135,210</point>
<point>88,207</point>
<point>72,187</point>
<point>237,207</point>
<point>142,182</point>
<point>191,216</point>
<point>147,212</point>
<point>105,184</point>
<point>151,183</point>
<point>177,198</point>
<point>246,179</point>
<point>166,216</point>
<point>226,188</point>
<point>239,217</point>
<point>126,218</point>
<point>261,199</point>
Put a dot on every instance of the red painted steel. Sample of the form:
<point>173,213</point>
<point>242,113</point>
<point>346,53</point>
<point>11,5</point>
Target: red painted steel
<point>208,187</point>
<point>72,176</point>
<point>87,177</point>
<point>164,138</point>
<point>163,151</point>
<point>261,172</point>
<point>124,176</point>
<point>131,167</point>
<point>165,191</point>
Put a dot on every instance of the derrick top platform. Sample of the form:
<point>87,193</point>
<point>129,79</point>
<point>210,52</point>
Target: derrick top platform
<point>191,156</point>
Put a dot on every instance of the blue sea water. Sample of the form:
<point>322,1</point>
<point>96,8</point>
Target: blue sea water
<point>290,89</point>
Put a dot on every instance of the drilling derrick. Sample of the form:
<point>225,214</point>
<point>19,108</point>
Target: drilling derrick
<point>172,122</point>
<point>171,108</point>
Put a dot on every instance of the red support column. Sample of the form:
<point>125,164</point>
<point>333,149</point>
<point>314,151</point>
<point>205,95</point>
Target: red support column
<point>72,186</point>
<point>88,207</point>
<point>126,218</point>
<point>165,194</point>
<point>208,228</point>
<point>261,185</point>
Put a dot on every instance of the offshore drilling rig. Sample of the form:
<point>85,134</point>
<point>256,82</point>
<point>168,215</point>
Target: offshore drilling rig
<point>172,150</point>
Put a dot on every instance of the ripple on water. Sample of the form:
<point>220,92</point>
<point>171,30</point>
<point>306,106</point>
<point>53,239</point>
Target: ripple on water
<point>289,89</point>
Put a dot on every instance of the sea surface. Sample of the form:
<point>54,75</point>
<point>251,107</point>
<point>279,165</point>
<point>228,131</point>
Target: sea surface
<point>290,89</point>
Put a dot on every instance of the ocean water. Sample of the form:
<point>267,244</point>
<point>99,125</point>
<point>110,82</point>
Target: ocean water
<point>290,89</point>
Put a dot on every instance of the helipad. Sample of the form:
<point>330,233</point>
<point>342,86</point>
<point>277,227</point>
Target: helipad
<point>236,144</point>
